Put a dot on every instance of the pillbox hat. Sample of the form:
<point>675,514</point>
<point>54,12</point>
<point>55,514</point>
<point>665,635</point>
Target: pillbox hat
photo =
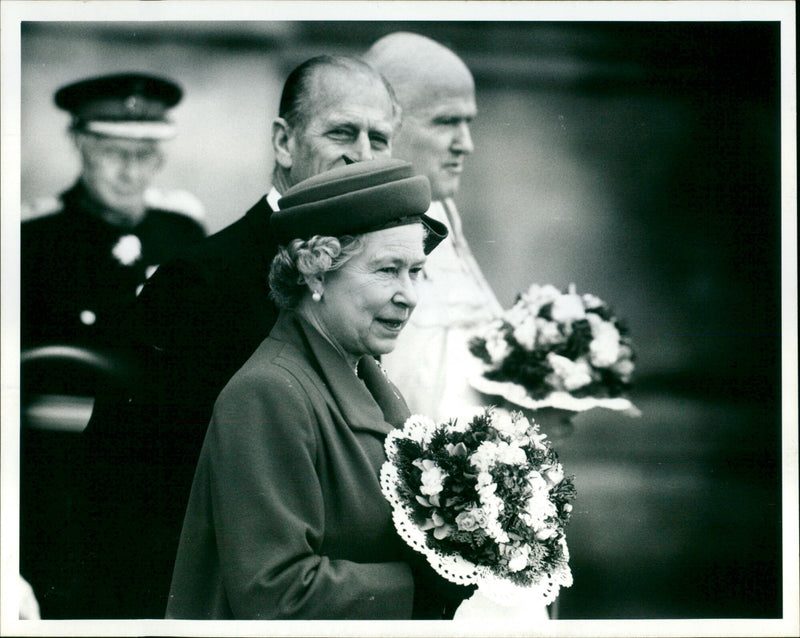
<point>355,199</point>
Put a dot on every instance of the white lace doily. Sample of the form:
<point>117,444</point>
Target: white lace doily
<point>455,568</point>
<point>518,395</point>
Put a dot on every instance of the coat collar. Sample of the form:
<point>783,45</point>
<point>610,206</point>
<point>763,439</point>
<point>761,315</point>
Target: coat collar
<point>372,404</point>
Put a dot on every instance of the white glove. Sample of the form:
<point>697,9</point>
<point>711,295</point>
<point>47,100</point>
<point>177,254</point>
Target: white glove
<point>479,607</point>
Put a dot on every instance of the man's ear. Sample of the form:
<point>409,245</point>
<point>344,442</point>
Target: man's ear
<point>282,142</point>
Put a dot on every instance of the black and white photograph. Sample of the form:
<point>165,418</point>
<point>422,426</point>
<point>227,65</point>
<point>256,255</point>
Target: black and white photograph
<point>399,319</point>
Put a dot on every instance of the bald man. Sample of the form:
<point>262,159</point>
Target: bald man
<point>437,94</point>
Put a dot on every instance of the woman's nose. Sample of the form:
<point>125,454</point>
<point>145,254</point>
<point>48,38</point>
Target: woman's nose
<point>407,294</point>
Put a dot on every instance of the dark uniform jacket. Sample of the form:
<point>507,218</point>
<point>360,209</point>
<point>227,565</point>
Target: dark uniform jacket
<point>80,275</point>
<point>197,320</point>
<point>79,279</point>
<point>286,518</point>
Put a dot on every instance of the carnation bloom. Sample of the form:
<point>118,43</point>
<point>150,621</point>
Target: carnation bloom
<point>432,477</point>
<point>538,507</point>
<point>542,295</point>
<point>490,453</point>
<point>127,250</point>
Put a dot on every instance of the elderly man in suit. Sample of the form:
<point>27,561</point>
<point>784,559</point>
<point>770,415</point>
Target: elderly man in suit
<point>199,318</point>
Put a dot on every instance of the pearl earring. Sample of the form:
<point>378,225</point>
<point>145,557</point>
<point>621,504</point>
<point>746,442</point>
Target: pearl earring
<point>317,296</point>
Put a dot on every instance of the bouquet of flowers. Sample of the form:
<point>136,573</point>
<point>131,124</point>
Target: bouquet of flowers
<point>556,349</point>
<point>485,500</point>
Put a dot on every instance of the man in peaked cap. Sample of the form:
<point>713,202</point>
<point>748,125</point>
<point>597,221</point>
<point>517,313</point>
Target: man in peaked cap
<point>437,94</point>
<point>86,255</point>
<point>198,320</point>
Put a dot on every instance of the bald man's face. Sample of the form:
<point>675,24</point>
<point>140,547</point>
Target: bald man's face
<point>436,139</point>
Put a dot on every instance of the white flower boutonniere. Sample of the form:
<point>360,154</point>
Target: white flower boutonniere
<point>128,250</point>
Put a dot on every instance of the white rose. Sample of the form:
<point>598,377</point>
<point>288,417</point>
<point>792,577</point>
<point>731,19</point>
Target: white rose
<point>548,333</point>
<point>567,308</point>
<point>497,347</point>
<point>545,533</point>
<point>511,454</point>
<point>590,301</point>
<point>513,425</point>
<point>604,349</point>
<point>544,294</point>
<point>519,560</point>
<point>573,374</point>
<point>525,333</point>
<point>624,369</point>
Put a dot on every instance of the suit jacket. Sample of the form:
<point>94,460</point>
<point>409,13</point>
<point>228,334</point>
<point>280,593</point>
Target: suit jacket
<point>197,321</point>
<point>286,518</point>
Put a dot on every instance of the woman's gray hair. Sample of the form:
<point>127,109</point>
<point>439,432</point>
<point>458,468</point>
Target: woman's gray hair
<point>306,258</point>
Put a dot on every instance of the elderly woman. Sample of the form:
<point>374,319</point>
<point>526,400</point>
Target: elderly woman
<point>286,518</point>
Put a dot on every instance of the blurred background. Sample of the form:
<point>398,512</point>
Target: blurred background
<point>640,161</point>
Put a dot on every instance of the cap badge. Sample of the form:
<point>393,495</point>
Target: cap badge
<point>131,104</point>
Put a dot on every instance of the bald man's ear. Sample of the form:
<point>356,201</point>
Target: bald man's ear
<point>282,143</point>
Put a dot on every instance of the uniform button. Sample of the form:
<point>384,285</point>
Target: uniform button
<point>88,317</point>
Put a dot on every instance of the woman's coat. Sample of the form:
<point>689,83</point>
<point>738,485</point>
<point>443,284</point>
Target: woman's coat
<point>286,518</point>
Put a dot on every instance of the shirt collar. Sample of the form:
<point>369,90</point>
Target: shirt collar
<point>272,198</point>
